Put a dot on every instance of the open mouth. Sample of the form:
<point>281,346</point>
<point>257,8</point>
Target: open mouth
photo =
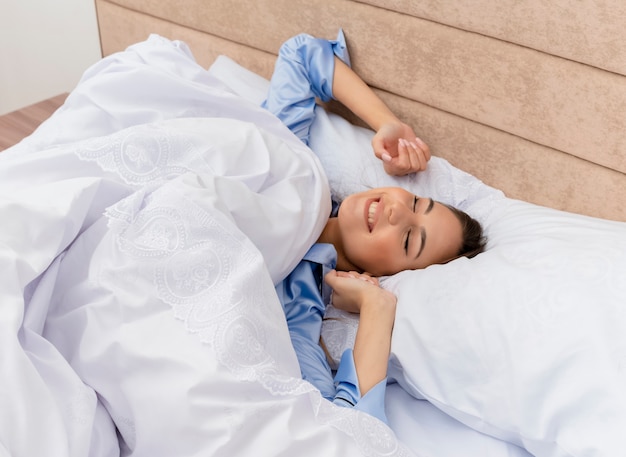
<point>371,213</point>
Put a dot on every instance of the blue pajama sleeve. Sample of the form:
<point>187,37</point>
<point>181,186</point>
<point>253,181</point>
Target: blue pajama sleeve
<point>303,71</point>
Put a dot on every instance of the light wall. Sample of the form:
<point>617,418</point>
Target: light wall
<point>45,46</point>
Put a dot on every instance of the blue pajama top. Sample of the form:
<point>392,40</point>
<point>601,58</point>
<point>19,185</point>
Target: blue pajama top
<point>304,70</point>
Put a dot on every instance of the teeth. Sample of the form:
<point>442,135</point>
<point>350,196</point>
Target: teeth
<point>370,213</point>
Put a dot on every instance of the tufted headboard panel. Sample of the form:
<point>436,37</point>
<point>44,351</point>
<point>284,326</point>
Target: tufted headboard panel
<point>528,96</point>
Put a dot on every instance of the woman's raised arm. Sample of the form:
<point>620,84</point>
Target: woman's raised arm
<point>311,68</point>
<point>395,142</point>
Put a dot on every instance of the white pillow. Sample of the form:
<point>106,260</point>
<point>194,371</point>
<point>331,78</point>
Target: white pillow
<point>524,342</point>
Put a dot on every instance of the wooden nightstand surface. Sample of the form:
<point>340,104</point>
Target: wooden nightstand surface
<point>18,124</point>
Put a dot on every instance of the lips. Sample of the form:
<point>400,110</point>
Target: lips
<point>372,213</point>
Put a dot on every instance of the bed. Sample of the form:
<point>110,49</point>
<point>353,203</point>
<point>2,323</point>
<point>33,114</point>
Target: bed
<point>139,315</point>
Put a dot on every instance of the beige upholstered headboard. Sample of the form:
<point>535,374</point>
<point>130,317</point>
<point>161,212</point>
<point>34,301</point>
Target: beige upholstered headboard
<point>528,96</point>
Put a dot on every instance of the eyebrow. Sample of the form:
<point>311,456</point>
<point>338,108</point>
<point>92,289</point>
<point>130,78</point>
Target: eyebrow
<point>422,230</point>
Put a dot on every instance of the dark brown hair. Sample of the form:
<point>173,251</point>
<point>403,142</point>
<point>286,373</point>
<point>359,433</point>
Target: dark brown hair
<point>474,241</point>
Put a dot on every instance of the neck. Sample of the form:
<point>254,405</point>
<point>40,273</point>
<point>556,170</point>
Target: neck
<point>332,235</point>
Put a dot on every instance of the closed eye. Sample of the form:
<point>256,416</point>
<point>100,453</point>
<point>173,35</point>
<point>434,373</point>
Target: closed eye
<point>408,235</point>
<point>406,242</point>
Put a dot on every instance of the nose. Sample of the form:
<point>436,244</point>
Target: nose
<point>398,212</point>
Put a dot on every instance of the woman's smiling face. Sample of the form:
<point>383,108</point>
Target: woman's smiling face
<point>387,230</point>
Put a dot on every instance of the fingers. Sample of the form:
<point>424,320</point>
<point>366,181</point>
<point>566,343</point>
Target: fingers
<point>355,275</point>
<point>401,151</point>
<point>408,157</point>
<point>351,289</point>
<point>423,147</point>
<point>413,156</point>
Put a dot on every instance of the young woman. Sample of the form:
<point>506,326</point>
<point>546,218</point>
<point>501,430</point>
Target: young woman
<point>373,233</point>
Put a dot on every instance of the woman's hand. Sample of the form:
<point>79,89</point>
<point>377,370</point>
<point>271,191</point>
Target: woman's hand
<point>395,142</point>
<point>353,290</point>
<point>361,293</point>
<point>400,150</point>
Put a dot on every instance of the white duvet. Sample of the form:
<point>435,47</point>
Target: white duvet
<point>139,254</point>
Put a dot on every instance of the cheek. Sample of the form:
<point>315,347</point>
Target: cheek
<point>350,219</point>
<point>348,205</point>
<point>372,255</point>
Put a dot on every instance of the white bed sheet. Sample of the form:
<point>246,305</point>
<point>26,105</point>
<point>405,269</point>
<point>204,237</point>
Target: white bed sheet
<point>426,429</point>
